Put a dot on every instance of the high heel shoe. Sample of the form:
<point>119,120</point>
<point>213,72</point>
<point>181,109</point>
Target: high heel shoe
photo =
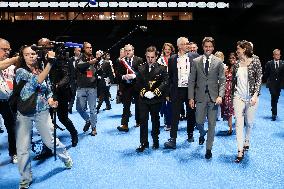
<point>239,158</point>
<point>246,148</point>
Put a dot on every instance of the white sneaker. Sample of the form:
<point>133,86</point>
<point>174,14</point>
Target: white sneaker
<point>14,159</point>
<point>69,163</point>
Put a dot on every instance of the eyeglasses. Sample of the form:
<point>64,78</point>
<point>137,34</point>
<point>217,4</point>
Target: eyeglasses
<point>5,49</point>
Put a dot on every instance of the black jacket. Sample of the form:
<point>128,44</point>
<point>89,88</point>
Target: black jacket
<point>86,73</point>
<point>121,70</point>
<point>156,81</point>
<point>59,76</point>
<point>72,70</point>
<point>273,76</point>
<point>173,73</point>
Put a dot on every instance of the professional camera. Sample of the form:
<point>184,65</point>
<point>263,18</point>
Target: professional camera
<point>61,50</point>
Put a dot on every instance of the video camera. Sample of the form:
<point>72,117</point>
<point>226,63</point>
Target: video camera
<point>60,49</point>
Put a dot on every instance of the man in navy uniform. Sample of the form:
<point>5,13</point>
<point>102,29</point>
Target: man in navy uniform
<point>152,81</point>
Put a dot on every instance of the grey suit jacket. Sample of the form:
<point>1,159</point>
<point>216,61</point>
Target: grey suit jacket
<point>198,80</point>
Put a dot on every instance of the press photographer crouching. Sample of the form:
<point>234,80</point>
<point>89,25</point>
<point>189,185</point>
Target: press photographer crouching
<point>31,84</point>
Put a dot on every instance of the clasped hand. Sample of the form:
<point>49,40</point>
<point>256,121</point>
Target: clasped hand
<point>128,76</point>
<point>149,95</point>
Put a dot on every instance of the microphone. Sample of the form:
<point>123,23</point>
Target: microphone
<point>143,28</point>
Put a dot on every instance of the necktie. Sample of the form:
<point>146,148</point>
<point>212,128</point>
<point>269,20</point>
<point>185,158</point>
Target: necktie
<point>129,61</point>
<point>206,66</point>
<point>276,65</point>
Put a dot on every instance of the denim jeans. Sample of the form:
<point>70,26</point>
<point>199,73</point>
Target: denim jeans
<point>244,112</point>
<point>24,125</point>
<point>84,96</point>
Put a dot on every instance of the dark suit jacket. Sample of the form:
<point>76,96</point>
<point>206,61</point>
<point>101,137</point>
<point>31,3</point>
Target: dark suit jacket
<point>72,69</point>
<point>121,70</point>
<point>156,81</point>
<point>272,75</point>
<point>104,70</point>
<point>173,73</point>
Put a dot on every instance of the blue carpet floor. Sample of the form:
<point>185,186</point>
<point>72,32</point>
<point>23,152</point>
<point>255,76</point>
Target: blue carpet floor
<point>109,160</point>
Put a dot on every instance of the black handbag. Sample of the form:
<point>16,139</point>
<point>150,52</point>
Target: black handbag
<point>25,107</point>
<point>28,106</point>
<point>13,99</point>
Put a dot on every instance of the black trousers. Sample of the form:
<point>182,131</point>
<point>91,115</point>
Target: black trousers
<point>154,110</point>
<point>9,122</point>
<point>62,113</point>
<point>103,94</point>
<point>129,94</point>
<point>275,93</point>
<point>73,94</point>
<point>190,113</point>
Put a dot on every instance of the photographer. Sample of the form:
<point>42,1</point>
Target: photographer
<point>6,87</point>
<point>60,80</point>
<point>59,77</point>
<point>34,83</point>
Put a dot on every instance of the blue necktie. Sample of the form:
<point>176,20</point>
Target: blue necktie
<point>206,66</point>
<point>129,62</point>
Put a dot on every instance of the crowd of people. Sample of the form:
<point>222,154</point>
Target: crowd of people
<point>160,86</point>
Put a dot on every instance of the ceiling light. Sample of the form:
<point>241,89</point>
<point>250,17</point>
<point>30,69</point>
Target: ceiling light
<point>182,4</point>
<point>162,4</point>
<point>172,4</point>
<point>113,4</point>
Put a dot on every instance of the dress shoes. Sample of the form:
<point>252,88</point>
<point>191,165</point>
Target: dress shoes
<point>137,125</point>
<point>201,140</point>
<point>171,144</point>
<point>87,126</point>
<point>123,128</point>
<point>208,154</point>
<point>273,118</point>
<point>240,157</point>
<point>155,144</point>
<point>74,139</point>
<point>246,148</point>
<point>142,147</point>
<point>190,138</point>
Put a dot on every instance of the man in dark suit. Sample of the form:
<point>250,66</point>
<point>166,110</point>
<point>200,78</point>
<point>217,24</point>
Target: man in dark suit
<point>126,76</point>
<point>152,82</point>
<point>179,68</point>
<point>273,76</point>
<point>105,78</point>
<point>206,88</point>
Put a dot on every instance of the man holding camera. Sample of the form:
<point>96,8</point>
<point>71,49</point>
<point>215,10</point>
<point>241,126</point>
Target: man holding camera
<point>60,80</point>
